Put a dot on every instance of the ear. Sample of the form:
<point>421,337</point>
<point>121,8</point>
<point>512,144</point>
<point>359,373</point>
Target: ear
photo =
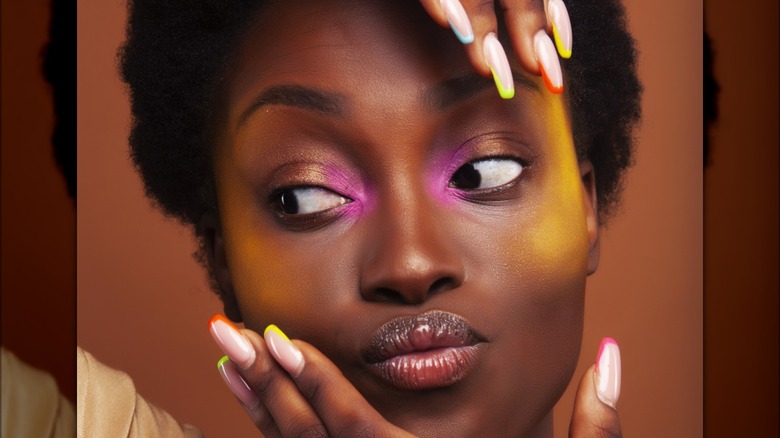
<point>211,230</point>
<point>590,200</point>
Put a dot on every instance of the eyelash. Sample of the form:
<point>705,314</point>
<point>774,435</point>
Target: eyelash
<point>467,192</point>
<point>306,221</point>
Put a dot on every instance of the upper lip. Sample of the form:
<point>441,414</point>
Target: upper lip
<point>414,333</point>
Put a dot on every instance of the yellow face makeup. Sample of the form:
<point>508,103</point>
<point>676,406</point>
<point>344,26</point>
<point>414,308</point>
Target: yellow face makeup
<point>379,184</point>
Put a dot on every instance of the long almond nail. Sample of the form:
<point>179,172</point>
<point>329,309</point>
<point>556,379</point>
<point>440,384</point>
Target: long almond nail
<point>283,350</point>
<point>608,372</point>
<point>496,59</point>
<point>559,17</point>
<point>459,20</point>
<point>548,62</point>
<point>231,341</point>
<point>236,383</point>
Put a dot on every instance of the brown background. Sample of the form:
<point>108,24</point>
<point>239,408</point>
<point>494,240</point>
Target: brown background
<point>38,222</point>
<point>143,303</point>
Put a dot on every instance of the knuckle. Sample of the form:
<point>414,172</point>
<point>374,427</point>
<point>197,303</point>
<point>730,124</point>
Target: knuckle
<point>264,384</point>
<point>316,384</point>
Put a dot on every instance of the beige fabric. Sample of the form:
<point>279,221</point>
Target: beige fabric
<point>108,406</point>
<point>32,405</point>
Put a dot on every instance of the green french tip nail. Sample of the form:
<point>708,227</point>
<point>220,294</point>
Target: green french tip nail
<point>221,361</point>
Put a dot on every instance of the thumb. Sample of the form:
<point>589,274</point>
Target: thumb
<point>594,405</point>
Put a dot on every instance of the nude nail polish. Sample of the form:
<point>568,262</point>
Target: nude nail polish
<point>283,350</point>
<point>496,59</point>
<point>608,372</point>
<point>559,17</point>
<point>548,62</point>
<point>459,20</point>
<point>236,383</point>
<point>231,341</point>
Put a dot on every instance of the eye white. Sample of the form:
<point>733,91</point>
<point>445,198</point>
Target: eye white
<point>496,172</point>
<point>313,200</point>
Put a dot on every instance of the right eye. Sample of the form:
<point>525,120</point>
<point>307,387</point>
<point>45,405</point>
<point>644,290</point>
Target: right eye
<point>307,200</point>
<point>486,174</point>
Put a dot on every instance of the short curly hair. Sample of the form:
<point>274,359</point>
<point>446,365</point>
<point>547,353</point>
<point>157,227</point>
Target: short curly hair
<point>177,51</point>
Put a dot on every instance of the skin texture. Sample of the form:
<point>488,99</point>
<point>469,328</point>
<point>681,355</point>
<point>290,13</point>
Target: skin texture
<point>512,263</point>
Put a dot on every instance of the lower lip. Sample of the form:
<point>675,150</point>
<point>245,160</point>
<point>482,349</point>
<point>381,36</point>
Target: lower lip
<point>429,369</point>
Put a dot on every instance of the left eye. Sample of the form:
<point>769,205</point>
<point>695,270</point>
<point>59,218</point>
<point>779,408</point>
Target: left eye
<point>308,200</point>
<point>486,174</point>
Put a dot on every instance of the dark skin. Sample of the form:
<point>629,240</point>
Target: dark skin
<point>361,126</point>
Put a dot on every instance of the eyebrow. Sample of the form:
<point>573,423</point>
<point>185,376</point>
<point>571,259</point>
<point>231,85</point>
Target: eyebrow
<point>299,97</point>
<point>440,96</point>
<point>456,90</point>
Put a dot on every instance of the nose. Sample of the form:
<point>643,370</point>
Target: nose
<point>408,255</point>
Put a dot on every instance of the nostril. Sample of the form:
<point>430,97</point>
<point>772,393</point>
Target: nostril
<point>441,285</point>
<point>387,294</point>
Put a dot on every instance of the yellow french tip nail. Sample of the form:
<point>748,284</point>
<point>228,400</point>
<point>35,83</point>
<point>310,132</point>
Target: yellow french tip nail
<point>497,62</point>
<point>565,54</point>
<point>277,330</point>
<point>505,93</point>
<point>222,361</point>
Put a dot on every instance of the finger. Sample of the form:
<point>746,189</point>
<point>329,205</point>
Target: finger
<point>474,23</point>
<point>292,413</point>
<point>470,21</point>
<point>450,13</point>
<point>248,399</point>
<point>598,392</point>
<point>289,412</point>
<point>524,18</point>
<point>482,15</point>
<point>338,404</point>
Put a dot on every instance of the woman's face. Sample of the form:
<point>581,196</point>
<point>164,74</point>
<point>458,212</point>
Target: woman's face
<point>381,201</point>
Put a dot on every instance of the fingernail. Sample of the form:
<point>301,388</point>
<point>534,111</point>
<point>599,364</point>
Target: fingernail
<point>459,21</point>
<point>608,372</point>
<point>236,383</point>
<point>283,350</point>
<point>499,65</point>
<point>559,17</point>
<point>231,341</point>
<point>548,62</point>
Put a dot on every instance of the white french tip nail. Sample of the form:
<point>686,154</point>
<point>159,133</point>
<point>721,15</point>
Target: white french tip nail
<point>608,372</point>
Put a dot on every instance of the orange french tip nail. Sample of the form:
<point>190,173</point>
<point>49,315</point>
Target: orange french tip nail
<point>553,89</point>
<point>221,317</point>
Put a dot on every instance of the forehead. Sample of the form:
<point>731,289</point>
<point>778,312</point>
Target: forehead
<point>385,48</point>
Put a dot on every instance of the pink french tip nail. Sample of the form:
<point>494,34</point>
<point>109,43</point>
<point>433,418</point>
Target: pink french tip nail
<point>608,372</point>
<point>459,20</point>
<point>559,17</point>
<point>231,341</point>
<point>548,62</point>
<point>283,350</point>
<point>236,383</point>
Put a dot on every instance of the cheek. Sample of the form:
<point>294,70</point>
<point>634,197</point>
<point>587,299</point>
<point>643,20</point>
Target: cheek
<point>276,279</point>
<point>280,283</point>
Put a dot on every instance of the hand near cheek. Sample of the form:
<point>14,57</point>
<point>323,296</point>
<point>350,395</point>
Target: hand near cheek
<point>475,24</point>
<point>598,392</point>
<point>290,389</point>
